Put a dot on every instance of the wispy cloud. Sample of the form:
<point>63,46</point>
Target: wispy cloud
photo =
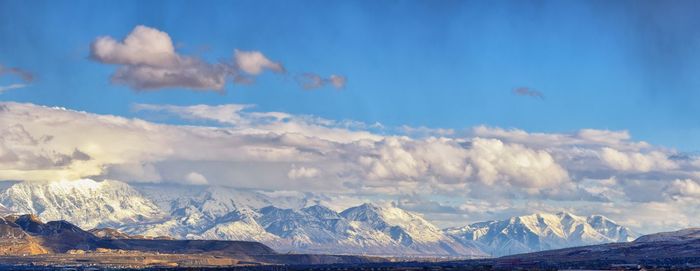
<point>530,92</point>
<point>11,87</point>
<point>26,76</point>
<point>313,81</point>
<point>23,75</point>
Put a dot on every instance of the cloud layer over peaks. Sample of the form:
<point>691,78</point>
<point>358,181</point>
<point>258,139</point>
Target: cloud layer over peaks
<point>235,145</point>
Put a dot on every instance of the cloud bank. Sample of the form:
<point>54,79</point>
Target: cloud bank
<point>511,171</point>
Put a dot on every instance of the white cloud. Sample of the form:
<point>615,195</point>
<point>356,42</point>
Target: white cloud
<point>254,62</point>
<point>143,46</point>
<point>147,59</point>
<point>636,161</point>
<point>583,137</point>
<point>294,127</point>
<point>11,87</point>
<point>683,188</point>
<point>196,178</point>
<point>303,173</point>
<point>513,163</point>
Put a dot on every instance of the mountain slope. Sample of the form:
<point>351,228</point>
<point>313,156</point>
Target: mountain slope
<point>394,227</point>
<point>540,232</point>
<point>211,213</point>
<point>673,236</point>
<point>227,214</point>
<point>677,250</point>
<point>84,202</point>
<point>15,241</point>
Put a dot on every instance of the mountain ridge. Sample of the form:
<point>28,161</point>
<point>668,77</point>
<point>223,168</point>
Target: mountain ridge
<point>541,231</point>
<point>294,224</point>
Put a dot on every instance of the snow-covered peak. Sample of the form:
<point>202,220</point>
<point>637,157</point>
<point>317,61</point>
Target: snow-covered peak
<point>84,202</point>
<point>321,211</point>
<point>400,224</point>
<point>541,231</point>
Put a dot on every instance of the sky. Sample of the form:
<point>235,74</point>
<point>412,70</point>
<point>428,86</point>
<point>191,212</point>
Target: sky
<point>460,110</point>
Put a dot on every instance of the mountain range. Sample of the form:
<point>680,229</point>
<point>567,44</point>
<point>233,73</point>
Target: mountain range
<point>676,250</point>
<point>26,240</point>
<point>538,232</point>
<point>293,223</point>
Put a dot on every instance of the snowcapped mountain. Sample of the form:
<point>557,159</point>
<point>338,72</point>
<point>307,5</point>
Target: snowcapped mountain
<point>365,229</point>
<point>293,222</point>
<point>86,203</point>
<point>289,225</point>
<point>538,232</point>
<point>405,229</point>
<point>208,213</point>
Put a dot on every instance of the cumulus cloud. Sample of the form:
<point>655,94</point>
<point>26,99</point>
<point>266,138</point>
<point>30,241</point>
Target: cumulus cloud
<point>529,92</point>
<point>314,81</point>
<point>147,59</point>
<point>235,145</point>
<point>686,188</point>
<point>143,46</point>
<point>517,164</point>
<point>637,162</point>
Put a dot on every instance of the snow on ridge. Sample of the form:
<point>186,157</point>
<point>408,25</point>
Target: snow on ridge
<point>541,231</point>
<point>292,223</point>
<point>86,203</point>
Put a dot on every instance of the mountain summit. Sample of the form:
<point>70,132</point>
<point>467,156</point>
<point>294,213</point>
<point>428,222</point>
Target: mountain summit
<point>542,231</point>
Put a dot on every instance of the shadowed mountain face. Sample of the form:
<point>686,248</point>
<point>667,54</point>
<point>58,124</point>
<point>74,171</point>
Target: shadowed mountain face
<point>677,236</point>
<point>27,235</point>
<point>15,241</point>
<point>61,236</point>
<point>677,249</point>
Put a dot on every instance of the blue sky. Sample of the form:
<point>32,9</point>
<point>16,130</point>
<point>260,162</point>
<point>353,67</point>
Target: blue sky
<point>623,65</point>
<point>544,96</point>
